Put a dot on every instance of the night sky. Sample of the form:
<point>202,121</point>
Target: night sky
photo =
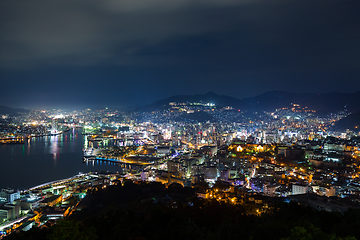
<point>111,53</point>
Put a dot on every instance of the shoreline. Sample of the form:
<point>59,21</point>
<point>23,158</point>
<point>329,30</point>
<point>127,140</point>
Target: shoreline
<point>21,140</point>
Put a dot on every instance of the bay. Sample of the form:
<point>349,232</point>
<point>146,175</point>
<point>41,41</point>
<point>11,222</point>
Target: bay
<point>45,159</point>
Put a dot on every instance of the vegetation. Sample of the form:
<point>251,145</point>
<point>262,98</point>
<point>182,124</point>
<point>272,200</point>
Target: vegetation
<point>151,211</point>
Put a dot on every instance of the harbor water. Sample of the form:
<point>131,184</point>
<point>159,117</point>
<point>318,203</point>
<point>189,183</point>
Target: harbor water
<point>45,159</point>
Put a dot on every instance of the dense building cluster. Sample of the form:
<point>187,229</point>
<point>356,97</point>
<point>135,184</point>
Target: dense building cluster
<point>224,153</point>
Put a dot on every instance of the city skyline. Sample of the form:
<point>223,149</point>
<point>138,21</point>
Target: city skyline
<point>202,150</point>
<point>114,54</point>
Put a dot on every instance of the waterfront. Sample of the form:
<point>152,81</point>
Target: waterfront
<point>45,159</point>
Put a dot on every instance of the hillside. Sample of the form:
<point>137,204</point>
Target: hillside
<point>196,116</point>
<point>269,101</point>
<point>323,103</point>
<point>152,211</point>
<point>11,111</point>
<point>351,122</point>
<point>210,97</point>
<point>334,102</point>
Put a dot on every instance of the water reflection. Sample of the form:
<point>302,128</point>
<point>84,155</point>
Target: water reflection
<point>55,158</point>
<point>43,159</point>
<point>28,147</point>
<point>54,145</point>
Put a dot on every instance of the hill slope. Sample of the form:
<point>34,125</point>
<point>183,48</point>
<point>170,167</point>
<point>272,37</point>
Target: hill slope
<point>351,122</point>
<point>334,102</point>
<point>269,101</point>
<point>11,111</point>
<point>210,97</point>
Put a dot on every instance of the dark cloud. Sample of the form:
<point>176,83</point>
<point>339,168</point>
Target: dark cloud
<point>168,46</point>
<point>88,32</point>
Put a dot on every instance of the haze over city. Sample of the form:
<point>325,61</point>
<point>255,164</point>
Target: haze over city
<point>68,54</point>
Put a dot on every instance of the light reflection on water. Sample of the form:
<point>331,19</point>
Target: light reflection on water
<point>44,159</point>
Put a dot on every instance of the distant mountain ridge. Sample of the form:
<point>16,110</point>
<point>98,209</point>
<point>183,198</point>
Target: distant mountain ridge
<point>351,122</point>
<point>269,101</point>
<point>334,102</point>
<point>210,97</point>
<point>11,111</point>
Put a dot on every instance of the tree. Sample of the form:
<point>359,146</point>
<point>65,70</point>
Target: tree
<point>70,230</point>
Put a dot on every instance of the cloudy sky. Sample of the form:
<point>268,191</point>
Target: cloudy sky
<point>55,54</point>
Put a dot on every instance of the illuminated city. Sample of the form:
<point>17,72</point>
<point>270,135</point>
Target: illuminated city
<point>290,153</point>
<point>180,119</point>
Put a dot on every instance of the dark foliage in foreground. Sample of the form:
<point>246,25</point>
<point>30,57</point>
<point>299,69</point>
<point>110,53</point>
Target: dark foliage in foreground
<point>151,211</point>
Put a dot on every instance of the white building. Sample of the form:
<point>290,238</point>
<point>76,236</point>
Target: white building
<point>299,189</point>
<point>9,212</point>
<point>9,195</point>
